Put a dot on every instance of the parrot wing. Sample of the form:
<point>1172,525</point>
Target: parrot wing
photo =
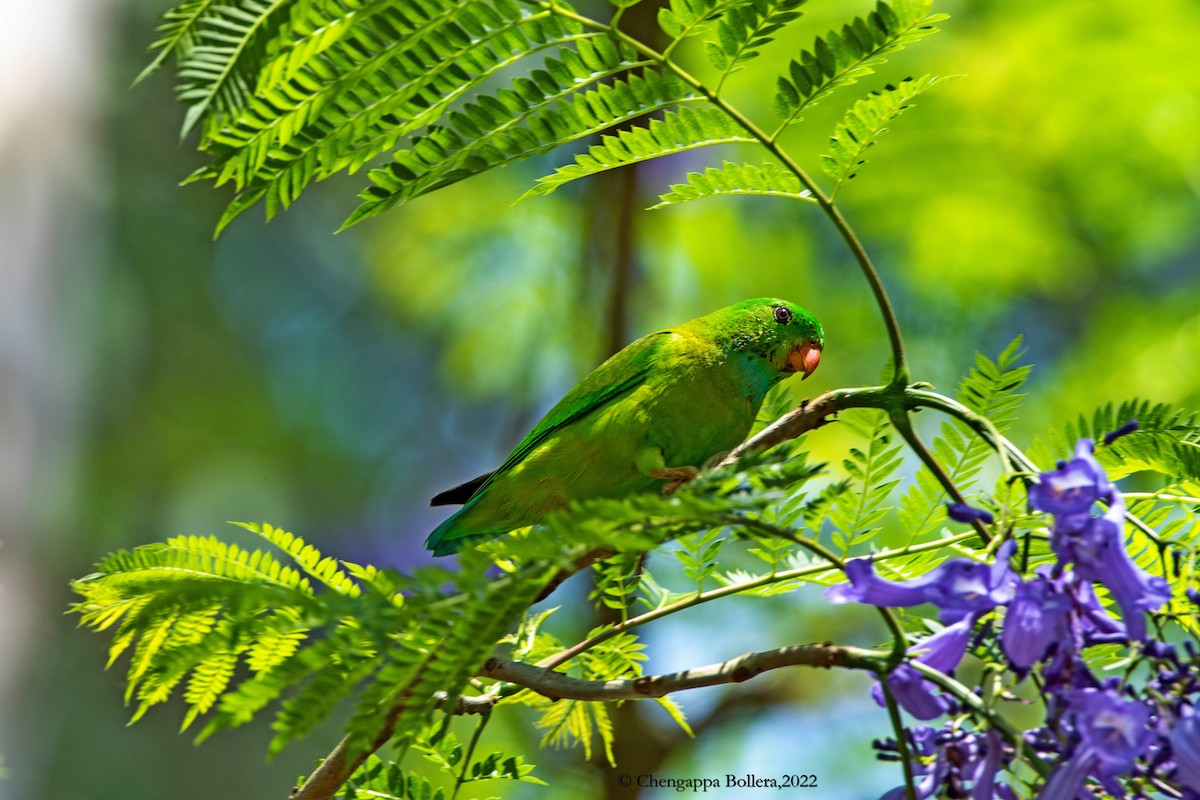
<point>620,374</point>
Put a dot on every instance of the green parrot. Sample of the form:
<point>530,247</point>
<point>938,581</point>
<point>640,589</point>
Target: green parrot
<point>647,418</point>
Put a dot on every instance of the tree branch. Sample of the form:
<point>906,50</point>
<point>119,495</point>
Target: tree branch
<point>810,415</point>
<point>558,686</point>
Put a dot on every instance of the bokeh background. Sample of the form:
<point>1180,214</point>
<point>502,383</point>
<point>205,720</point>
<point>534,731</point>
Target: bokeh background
<point>153,381</point>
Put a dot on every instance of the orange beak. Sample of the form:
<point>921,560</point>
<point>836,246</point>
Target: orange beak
<point>805,358</point>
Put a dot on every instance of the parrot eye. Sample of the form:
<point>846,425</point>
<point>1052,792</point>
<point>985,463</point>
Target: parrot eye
<point>783,315</point>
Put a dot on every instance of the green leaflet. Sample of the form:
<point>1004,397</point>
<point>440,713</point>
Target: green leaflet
<point>355,81</point>
<point>192,611</point>
<point>616,580</point>
<point>746,28</point>
<point>176,35</point>
<point>840,58</point>
<point>377,779</point>
<point>442,652</point>
<point>580,722</point>
<point>219,68</point>
<point>698,555</point>
<point>569,722</point>
<point>735,179</point>
<point>676,132</point>
<point>865,122</point>
<point>680,19</point>
<point>858,514</point>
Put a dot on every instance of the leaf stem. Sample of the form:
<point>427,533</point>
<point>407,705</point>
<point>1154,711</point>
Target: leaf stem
<point>899,642</point>
<point>910,789</point>
<point>470,752</point>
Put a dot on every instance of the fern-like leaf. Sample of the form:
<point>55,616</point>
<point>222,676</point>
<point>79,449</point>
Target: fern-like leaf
<point>535,116</point>
<point>676,132</point>
<point>575,722</point>
<point>698,555</point>
<point>856,515</point>
<point>680,19</point>
<point>1167,440</point>
<point>319,567</point>
<point>441,654</point>
<point>991,390</point>
<point>220,69</point>
<point>735,179</point>
<point>177,34</point>
<point>865,122</point>
<point>841,58</point>
<point>745,29</point>
<point>363,79</point>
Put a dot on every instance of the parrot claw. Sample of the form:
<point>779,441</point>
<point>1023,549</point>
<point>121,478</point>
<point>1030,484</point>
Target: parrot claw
<point>675,477</point>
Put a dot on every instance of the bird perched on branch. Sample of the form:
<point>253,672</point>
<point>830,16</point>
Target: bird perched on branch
<point>647,418</point>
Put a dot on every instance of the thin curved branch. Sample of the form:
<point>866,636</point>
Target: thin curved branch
<point>927,399</point>
<point>904,425</point>
<point>899,642</point>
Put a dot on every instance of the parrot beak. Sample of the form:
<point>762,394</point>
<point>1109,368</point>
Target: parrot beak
<point>805,358</point>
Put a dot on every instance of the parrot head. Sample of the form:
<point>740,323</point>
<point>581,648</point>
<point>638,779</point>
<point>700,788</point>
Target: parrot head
<point>784,335</point>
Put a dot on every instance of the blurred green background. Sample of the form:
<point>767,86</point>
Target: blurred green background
<point>154,382</point>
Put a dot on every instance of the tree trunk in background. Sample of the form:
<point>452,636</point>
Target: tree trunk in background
<point>640,747</point>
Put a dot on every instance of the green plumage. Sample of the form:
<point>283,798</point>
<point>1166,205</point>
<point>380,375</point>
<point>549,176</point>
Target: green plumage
<point>666,403</point>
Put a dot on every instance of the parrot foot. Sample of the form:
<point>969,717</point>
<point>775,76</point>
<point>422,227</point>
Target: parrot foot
<point>675,477</point>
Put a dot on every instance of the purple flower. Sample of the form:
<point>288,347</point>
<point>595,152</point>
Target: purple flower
<point>866,587</point>
<point>1037,618</point>
<point>913,693</point>
<point>1185,744</point>
<point>1112,734</point>
<point>983,772</point>
<point>1071,489</point>
<point>960,512</point>
<point>952,758</point>
<point>958,587</point>
<point>942,651</point>
<point>1116,730</point>
<point>1098,551</point>
<point>971,587</point>
<point>1067,780</point>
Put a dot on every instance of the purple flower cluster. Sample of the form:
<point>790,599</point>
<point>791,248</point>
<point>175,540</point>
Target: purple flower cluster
<point>955,759</point>
<point>1107,731</point>
<point>1095,545</point>
<point>1095,730</point>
